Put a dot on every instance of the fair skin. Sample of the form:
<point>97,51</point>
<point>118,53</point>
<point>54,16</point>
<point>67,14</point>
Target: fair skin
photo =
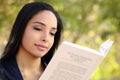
<point>37,40</point>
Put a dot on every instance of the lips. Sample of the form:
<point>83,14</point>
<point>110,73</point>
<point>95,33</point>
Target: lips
<point>41,47</point>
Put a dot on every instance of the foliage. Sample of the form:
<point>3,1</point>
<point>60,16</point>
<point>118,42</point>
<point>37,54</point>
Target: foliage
<point>86,22</point>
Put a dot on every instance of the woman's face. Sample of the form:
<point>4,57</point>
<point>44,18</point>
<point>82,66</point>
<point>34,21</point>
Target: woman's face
<point>39,34</point>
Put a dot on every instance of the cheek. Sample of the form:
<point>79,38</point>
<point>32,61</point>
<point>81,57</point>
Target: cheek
<point>27,38</point>
<point>51,42</point>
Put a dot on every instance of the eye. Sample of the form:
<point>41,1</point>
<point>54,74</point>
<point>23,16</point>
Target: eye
<point>36,28</point>
<point>53,34</point>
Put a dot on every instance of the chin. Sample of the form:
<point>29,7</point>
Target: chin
<point>37,56</point>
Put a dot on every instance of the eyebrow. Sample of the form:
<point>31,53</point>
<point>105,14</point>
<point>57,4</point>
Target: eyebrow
<point>40,23</point>
<point>43,24</point>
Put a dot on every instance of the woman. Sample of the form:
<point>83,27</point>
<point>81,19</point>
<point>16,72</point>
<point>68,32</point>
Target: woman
<point>35,36</point>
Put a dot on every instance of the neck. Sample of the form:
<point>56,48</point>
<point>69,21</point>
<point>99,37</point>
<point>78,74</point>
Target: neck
<point>29,65</point>
<point>27,61</point>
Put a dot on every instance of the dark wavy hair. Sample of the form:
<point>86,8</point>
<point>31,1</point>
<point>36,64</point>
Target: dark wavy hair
<point>25,14</point>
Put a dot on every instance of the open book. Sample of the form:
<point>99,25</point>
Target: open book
<point>75,62</point>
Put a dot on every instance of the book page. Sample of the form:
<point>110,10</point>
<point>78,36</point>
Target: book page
<point>105,47</point>
<point>72,62</point>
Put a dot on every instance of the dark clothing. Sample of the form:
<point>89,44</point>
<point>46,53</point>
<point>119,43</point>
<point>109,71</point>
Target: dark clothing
<point>9,70</point>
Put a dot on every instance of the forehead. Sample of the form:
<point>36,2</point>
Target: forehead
<point>46,17</point>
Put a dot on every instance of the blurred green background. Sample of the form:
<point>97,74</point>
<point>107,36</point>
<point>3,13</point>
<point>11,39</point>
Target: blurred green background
<point>86,22</point>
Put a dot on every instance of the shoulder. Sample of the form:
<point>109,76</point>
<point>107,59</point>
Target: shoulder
<point>7,68</point>
<point>2,72</point>
<point>1,66</point>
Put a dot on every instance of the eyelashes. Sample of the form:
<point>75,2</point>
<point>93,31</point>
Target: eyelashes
<point>39,29</point>
<point>53,34</point>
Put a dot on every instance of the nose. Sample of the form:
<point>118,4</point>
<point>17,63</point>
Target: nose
<point>45,36</point>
